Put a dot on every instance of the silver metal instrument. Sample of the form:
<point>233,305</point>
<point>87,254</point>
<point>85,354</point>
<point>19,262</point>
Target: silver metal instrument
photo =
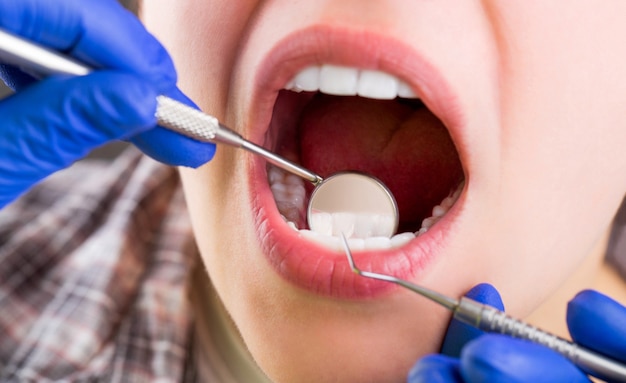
<point>489,319</point>
<point>174,115</point>
<point>41,62</point>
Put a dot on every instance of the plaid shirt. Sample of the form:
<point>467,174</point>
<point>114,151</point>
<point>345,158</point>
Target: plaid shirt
<point>93,283</point>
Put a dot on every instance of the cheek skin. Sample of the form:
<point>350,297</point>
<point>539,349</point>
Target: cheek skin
<point>563,166</point>
<point>202,37</point>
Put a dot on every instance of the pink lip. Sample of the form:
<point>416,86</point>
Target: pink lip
<point>309,265</point>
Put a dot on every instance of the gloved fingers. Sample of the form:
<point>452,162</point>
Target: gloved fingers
<point>436,368</point>
<point>173,148</point>
<point>459,333</point>
<point>598,322</point>
<point>101,34</point>
<point>53,123</point>
<point>498,359</point>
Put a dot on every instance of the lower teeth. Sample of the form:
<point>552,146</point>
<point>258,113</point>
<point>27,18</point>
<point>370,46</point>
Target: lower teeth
<point>290,196</point>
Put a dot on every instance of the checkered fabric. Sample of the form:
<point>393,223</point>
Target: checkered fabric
<point>94,266</point>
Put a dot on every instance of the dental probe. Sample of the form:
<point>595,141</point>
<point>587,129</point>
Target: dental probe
<point>489,319</point>
<point>174,115</point>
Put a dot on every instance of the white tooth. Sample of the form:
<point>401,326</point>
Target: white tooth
<point>364,225</point>
<point>356,244</point>
<point>332,243</point>
<point>292,225</point>
<point>343,223</point>
<point>385,226</point>
<point>428,222</point>
<point>291,85</point>
<point>439,211</point>
<point>349,81</point>
<point>298,200</point>
<point>279,187</point>
<point>423,230</point>
<point>377,243</point>
<point>352,225</point>
<point>310,235</point>
<point>447,202</point>
<point>297,193</point>
<point>275,175</point>
<point>405,91</point>
<point>322,222</point>
<point>307,80</point>
<point>378,85</point>
<point>401,239</point>
<point>338,80</point>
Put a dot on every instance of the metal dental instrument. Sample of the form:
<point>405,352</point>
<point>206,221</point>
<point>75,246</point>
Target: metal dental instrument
<point>41,61</point>
<point>489,319</point>
<point>368,195</point>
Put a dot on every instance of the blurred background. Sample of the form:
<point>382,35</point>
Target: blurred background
<point>110,150</point>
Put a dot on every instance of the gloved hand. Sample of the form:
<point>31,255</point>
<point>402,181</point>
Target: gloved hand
<point>594,320</point>
<point>47,125</point>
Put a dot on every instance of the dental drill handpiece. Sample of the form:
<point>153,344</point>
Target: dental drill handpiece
<point>40,62</point>
<point>489,319</point>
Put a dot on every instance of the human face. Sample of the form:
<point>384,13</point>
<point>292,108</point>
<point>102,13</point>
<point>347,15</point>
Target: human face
<point>529,94</point>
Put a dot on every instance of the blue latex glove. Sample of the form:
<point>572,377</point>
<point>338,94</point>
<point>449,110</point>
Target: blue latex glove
<point>48,125</point>
<point>594,320</point>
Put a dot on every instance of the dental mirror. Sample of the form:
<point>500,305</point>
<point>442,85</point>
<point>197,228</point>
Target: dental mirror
<point>355,204</point>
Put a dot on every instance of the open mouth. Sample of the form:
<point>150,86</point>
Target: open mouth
<point>339,113</point>
<point>334,118</point>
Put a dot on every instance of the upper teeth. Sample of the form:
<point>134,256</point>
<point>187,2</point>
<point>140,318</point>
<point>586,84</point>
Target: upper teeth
<point>348,81</point>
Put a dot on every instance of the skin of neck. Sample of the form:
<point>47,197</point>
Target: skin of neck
<point>594,273</point>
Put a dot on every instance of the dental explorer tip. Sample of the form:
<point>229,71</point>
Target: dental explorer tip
<point>349,254</point>
<point>443,300</point>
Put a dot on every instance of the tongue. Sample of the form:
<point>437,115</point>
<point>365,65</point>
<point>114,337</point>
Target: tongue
<point>407,148</point>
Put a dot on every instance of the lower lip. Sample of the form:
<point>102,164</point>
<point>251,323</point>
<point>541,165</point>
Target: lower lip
<point>310,265</point>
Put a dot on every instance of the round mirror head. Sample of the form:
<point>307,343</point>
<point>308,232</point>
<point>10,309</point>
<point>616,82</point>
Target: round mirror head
<point>355,204</point>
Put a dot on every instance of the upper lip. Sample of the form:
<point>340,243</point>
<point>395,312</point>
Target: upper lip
<point>304,263</point>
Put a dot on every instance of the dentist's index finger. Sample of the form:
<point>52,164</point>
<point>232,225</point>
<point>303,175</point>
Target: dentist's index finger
<point>100,33</point>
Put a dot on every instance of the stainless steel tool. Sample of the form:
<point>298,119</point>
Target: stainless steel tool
<point>41,62</point>
<point>489,319</point>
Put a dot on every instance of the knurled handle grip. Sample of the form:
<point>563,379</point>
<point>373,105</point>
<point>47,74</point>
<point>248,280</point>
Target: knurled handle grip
<point>193,123</point>
<point>186,120</point>
<point>491,320</point>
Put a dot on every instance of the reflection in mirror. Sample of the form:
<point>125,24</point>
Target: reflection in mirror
<point>355,204</point>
